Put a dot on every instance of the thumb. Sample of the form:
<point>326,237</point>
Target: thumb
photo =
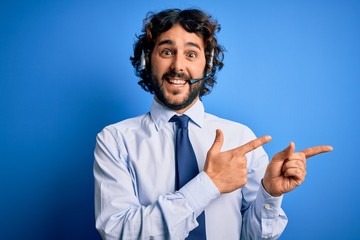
<point>284,154</point>
<point>218,142</point>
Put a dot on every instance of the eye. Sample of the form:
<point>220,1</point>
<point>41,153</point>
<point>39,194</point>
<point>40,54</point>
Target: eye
<point>192,54</point>
<point>166,52</point>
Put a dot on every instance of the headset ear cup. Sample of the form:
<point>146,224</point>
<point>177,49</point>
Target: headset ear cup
<point>211,59</point>
<point>211,62</point>
<point>142,61</point>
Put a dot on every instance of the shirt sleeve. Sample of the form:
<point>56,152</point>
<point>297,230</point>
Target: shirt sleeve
<point>263,217</point>
<point>118,212</point>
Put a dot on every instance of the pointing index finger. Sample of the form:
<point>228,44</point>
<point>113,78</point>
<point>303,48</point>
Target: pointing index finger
<point>312,151</point>
<point>252,145</point>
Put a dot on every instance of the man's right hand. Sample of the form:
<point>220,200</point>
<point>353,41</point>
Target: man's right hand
<point>228,169</point>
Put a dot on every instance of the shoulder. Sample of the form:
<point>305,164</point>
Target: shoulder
<point>126,126</point>
<point>235,132</point>
<point>133,122</point>
<point>227,124</point>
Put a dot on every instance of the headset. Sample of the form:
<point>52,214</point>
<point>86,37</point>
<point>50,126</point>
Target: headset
<point>142,60</point>
<point>209,72</point>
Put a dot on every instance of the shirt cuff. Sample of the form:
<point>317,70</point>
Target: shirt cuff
<point>268,199</point>
<point>276,201</point>
<point>273,218</point>
<point>199,192</point>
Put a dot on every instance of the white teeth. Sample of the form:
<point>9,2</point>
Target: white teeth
<point>177,81</point>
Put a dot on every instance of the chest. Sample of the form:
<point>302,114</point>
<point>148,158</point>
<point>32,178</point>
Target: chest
<point>151,160</point>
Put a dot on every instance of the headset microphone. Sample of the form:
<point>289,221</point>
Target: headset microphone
<point>195,80</point>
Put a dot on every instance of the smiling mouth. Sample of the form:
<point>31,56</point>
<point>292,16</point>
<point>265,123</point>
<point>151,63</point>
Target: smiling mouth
<point>176,81</point>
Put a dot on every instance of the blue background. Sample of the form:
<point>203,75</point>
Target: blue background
<point>291,71</point>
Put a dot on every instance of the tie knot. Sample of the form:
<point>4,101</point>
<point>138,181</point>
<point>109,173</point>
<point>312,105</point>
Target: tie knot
<point>182,120</point>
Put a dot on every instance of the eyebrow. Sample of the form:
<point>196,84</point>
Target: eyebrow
<point>170,42</point>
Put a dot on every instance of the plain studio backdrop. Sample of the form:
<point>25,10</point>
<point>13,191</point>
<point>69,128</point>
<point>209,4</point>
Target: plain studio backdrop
<point>291,71</point>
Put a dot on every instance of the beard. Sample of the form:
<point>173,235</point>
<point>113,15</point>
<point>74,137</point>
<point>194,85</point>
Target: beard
<point>194,91</point>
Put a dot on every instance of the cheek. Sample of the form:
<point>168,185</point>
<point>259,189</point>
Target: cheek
<point>158,68</point>
<point>197,68</point>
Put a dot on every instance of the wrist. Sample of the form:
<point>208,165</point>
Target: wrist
<point>267,188</point>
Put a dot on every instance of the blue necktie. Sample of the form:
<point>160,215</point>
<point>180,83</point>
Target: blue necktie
<point>186,167</point>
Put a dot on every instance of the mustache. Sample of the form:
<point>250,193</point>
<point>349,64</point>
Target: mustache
<point>174,74</point>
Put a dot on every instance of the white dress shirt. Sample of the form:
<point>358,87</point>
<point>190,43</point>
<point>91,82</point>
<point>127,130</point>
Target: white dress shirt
<point>135,195</point>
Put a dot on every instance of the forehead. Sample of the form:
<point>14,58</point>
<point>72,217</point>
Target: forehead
<point>177,36</point>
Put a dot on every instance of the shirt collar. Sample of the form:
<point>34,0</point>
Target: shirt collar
<point>161,114</point>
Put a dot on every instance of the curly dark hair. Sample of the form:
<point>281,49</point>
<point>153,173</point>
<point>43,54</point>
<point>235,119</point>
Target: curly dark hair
<point>192,20</point>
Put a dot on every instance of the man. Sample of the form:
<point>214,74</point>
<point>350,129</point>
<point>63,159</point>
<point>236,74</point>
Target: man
<point>235,193</point>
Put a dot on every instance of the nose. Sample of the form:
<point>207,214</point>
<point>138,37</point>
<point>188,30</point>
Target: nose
<point>177,63</point>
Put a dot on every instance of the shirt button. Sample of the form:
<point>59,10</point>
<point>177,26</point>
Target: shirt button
<point>267,206</point>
